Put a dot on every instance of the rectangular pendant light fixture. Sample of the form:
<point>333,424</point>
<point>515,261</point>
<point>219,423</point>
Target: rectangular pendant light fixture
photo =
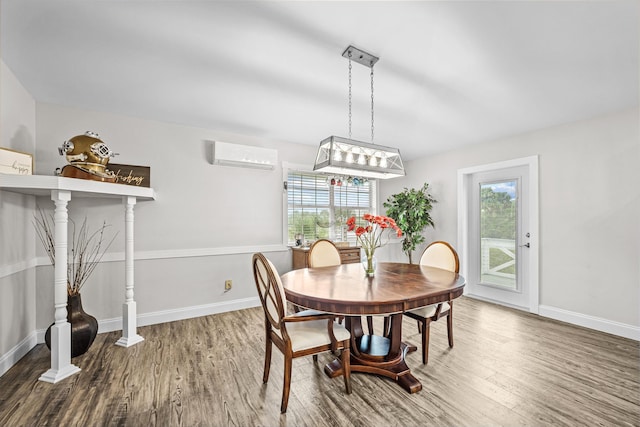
<point>346,156</point>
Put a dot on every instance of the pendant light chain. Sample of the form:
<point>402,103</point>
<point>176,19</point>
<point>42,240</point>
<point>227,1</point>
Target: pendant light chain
<point>372,104</point>
<point>349,95</point>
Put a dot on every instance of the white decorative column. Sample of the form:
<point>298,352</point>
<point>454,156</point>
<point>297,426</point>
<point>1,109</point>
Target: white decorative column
<point>61,366</point>
<point>129,312</point>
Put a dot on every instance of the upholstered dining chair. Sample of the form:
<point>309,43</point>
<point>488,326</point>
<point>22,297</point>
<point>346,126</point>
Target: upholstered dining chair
<point>441,255</point>
<point>301,334</point>
<point>324,253</point>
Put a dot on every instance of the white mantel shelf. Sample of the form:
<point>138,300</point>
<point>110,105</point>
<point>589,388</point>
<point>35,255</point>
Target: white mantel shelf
<point>62,190</point>
<point>42,185</point>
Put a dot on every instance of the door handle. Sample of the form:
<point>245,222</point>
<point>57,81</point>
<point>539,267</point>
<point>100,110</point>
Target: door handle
<point>526,245</point>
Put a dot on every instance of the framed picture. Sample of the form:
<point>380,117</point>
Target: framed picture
<point>15,162</point>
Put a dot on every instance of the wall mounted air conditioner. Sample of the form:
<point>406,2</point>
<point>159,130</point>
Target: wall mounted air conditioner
<point>245,156</point>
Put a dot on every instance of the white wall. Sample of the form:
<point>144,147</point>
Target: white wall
<point>589,211</point>
<point>17,240</point>
<point>203,228</point>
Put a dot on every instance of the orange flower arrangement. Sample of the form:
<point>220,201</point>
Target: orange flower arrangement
<point>370,236</point>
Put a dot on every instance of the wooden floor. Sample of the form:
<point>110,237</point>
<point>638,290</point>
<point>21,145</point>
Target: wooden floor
<point>507,368</point>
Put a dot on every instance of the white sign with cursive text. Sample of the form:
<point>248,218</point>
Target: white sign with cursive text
<point>15,162</point>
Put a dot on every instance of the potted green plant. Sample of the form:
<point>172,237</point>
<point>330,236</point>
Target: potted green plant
<point>410,209</point>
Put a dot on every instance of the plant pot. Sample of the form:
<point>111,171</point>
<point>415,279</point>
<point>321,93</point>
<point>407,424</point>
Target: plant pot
<point>84,327</point>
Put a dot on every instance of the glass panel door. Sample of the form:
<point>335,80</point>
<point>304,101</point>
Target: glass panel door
<point>498,259</point>
<point>498,231</point>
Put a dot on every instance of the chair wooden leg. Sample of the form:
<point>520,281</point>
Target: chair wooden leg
<point>425,341</point>
<point>267,358</point>
<point>345,358</point>
<point>419,326</point>
<point>315,358</point>
<point>386,327</point>
<point>450,326</point>
<point>286,384</point>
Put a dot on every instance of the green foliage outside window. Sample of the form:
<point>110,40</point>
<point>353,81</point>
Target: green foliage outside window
<point>498,214</point>
<point>313,225</point>
<point>498,221</point>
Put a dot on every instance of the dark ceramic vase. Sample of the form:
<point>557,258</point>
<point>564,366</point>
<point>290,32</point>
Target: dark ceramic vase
<point>84,327</point>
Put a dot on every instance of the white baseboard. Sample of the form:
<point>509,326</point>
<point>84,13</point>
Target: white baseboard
<point>109,325</point>
<point>115,324</point>
<point>575,318</point>
<point>591,322</point>
<point>165,316</point>
<point>40,335</point>
<point>16,353</point>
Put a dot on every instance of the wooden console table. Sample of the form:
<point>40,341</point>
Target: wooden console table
<point>61,189</point>
<point>300,256</point>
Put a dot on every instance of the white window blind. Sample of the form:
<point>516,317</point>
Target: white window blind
<point>319,210</point>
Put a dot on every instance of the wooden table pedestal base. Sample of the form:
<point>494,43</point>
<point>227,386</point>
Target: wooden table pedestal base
<point>390,367</point>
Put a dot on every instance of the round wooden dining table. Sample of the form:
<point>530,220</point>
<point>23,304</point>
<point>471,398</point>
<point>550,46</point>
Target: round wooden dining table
<point>345,290</point>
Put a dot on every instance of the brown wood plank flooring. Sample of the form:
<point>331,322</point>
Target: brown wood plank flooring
<point>508,368</point>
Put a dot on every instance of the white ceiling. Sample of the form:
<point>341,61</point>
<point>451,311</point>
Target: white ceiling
<point>450,73</point>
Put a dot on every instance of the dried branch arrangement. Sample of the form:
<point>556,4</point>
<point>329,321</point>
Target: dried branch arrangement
<point>85,249</point>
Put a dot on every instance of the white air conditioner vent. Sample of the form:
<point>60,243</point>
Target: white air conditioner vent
<point>246,156</point>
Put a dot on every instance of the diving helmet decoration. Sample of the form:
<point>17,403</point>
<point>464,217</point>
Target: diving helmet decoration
<point>88,157</point>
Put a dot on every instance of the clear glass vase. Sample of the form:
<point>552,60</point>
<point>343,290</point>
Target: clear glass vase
<point>369,264</point>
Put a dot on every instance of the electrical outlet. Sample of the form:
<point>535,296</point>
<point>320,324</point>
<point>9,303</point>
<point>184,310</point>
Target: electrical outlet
<point>228,284</point>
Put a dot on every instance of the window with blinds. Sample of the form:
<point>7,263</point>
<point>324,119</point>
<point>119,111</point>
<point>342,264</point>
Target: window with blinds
<point>319,210</point>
